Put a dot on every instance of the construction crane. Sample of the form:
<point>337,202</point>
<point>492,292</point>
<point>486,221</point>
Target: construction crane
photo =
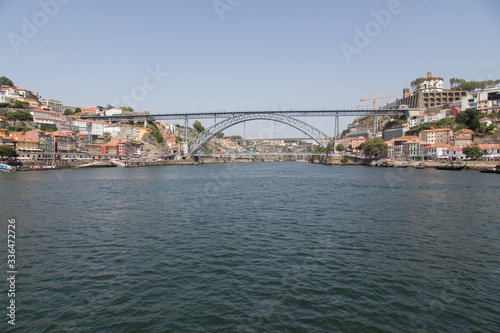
<point>374,99</point>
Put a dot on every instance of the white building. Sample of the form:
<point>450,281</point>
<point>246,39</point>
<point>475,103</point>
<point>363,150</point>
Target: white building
<point>92,127</point>
<point>431,83</point>
<point>113,111</point>
<point>436,150</point>
<point>121,131</point>
<point>454,154</point>
<point>47,117</point>
<point>479,100</point>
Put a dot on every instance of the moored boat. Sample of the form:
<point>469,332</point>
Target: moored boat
<point>421,165</point>
<point>5,167</point>
<point>496,169</point>
<point>451,166</point>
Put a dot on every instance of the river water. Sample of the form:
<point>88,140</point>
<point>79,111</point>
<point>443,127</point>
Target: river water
<point>262,247</point>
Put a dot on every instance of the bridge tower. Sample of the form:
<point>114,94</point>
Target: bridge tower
<point>336,131</point>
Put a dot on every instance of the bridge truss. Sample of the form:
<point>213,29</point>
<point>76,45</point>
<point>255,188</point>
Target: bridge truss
<point>197,142</point>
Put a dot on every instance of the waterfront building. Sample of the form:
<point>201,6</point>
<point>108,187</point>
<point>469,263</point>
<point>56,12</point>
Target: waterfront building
<point>46,142</point>
<point>490,150</point>
<point>398,145</point>
<point>413,150</point>
<point>65,143</point>
<point>440,135</point>
<point>6,141</point>
<point>24,144</point>
<point>435,150</point>
<point>94,149</point>
<point>390,149</point>
<point>454,154</point>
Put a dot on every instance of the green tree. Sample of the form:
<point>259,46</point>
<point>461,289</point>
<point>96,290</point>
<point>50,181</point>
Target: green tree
<point>21,105</point>
<point>219,135</point>
<point>419,128</point>
<point>236,137</point>
<point>198,127</point>
<point>374,147</point>
<point>472,151</point>
<point>340,147</point>
<point>4,81</point>
<point>329,147</point>
<point>68,112</point>
<point>6,151</point>
<point>23,115</point>
<point>155,132</point>
<point>48,127</point>
<point>460,84</point>
<point>78,110</point>
<point>469,118</point>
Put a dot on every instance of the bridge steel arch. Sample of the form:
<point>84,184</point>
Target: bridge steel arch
<point>202,138</point>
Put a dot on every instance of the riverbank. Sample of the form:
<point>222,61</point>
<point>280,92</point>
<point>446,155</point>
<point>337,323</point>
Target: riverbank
<point>331,160</point>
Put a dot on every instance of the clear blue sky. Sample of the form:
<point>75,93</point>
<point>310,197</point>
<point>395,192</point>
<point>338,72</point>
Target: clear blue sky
<point>250,54</point>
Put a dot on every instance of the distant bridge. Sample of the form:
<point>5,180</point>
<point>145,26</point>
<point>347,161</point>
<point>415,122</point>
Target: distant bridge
<point>233,118</point>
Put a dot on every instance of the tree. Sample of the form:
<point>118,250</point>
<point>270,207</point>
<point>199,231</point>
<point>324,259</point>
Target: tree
<point>48,127</point>
<point>6,151</point>
<point>329,147</point>
<point>472,151</point>
<point>417,129</point>
<point>219,135</point>
<point>21,105</point>
<point>197,126</point>
<point>469,118</point>
<point>374,147</point>
<point>78,110</point>
<point>460,84</point>
<point>4,81</point>
<point>340,147</point>
<point>68,112</point>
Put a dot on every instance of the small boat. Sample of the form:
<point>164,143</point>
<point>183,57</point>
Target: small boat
<point>496,169</point>
<point>404,165</point>
<point>5,167</point>
<point>451,166</point>
<point>43,167</point>
<point>421,165</point>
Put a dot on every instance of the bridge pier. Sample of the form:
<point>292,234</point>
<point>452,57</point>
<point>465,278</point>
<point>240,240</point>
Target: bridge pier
<point>183,148</point>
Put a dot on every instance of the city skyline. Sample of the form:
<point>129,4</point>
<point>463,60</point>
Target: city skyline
<point>240,55</point>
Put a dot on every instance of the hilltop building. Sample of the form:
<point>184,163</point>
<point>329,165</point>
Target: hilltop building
<point>430,93</point>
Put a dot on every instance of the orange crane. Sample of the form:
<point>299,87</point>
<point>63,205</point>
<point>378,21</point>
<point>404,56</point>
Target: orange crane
<point>375,98</point>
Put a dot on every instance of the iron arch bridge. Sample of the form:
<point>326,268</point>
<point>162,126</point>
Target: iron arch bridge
<point>195,144</point>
